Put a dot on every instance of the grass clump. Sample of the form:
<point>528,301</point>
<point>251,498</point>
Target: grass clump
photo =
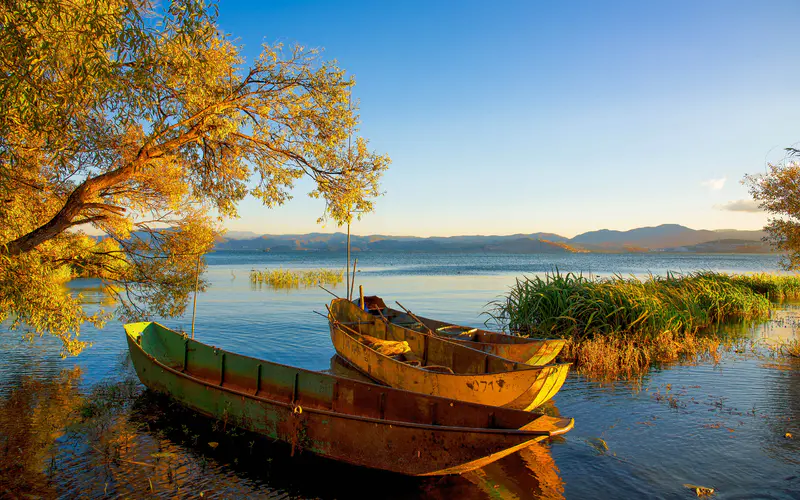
<point>772,286</point>
<point>286,278</point>
<point>619,326</point>
<point>610,357</point>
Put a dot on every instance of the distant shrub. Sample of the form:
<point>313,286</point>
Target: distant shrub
<point>285,278</point>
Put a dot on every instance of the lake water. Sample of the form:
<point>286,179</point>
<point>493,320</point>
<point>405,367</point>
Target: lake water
<point>718,424</point>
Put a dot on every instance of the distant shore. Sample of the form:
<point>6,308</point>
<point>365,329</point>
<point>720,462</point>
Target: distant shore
<point>668,238</point>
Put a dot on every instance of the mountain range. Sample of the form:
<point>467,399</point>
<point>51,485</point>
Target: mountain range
<point>663,238</point>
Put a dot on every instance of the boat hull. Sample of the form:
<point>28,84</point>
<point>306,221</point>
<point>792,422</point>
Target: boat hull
<point>478,377</point>
<point>302,408</point>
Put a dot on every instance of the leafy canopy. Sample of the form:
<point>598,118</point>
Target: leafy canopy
<point>138,121</point>
<point>778,192</point>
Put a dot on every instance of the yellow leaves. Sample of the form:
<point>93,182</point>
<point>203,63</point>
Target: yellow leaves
<point>33,296</point>
<point>700,491</point>
<point>356,180</point>
<point>137,126</point>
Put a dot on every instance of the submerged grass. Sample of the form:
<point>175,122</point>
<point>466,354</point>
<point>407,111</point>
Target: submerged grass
<point>618,327</point>
<point>287,278</point>
<point>787,348</point>
<point>793,348</point>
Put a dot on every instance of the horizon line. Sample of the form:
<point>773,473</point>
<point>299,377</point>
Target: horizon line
<point>487,235</point>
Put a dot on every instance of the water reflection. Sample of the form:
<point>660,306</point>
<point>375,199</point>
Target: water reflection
<point>122,440</point>
<point>531,473</point>
<point>719,424</point>
<point>33,418</point>
<point>784,391</point>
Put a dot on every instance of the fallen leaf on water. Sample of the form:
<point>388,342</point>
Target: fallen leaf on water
<point>164,454</point>
<point>598,444</point>
<point>213,444</point>
<point>730,430</point>
<point>700,491</point>
<point>788,435</point>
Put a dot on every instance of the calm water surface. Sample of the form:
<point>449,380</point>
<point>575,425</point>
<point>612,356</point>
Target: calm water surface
<point>83,427</point>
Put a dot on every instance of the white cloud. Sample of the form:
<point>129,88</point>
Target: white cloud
<point>714,184</point>
<point>740,206</point>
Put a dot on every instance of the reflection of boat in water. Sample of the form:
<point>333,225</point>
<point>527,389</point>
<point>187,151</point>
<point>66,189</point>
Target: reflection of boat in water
<point>339,418</point>
<point>435,366</point>
<point>520,349</point>
<point>531,473</point>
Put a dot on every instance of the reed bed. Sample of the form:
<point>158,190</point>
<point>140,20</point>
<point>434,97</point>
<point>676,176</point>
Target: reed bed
<point>773,286</point>
<point>287,278</point>
<point>618,327</point>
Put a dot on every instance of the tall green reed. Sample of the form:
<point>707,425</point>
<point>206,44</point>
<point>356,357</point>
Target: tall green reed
<point>574,306</point>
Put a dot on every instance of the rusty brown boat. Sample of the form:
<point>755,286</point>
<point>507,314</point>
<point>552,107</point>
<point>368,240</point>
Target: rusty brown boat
<point>432,365</point>
<point>338,418</point>
<point>520,349</point>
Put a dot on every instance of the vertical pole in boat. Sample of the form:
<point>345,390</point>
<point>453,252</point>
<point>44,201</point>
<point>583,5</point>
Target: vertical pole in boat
<point>361,294</point>
<point>349,161</point>
<point>353,279</point>
<point>347,267</point>
<point>196,281</point>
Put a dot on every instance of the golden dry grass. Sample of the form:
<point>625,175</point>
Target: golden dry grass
<point>613,357</point>
<point>287,278</point>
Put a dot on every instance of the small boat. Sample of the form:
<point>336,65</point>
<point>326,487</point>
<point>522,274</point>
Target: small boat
<point>416,361</point>
<point>342,419</point>
<point>513,347</point>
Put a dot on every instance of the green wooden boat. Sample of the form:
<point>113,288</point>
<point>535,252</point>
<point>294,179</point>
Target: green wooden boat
<point>335,417</point>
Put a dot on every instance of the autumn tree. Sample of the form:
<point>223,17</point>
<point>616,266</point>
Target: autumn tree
<point>139,120</point>
<point>777,191</point>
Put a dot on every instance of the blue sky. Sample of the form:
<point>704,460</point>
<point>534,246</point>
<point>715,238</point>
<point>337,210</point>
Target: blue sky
<point>519,117</point>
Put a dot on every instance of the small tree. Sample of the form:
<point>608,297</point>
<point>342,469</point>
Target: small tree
<point>137,122</point>
<point>778,192</point>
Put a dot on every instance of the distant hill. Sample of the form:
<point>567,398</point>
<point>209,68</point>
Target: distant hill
<point>667,237</point>
<point>529,245</point>
<point>319,242</point>
<point>607,236</point>
<point>240,235</point>
<point>726,246</point>
<point>660,237</point>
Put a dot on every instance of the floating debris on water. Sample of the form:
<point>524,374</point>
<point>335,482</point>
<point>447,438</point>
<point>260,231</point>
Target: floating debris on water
<point>598,444</point>
<point>701,491</point>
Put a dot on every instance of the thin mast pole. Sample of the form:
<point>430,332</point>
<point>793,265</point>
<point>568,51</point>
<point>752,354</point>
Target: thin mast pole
<point>349,161</point>
<point>196,281</point>
<point>347,269</point>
